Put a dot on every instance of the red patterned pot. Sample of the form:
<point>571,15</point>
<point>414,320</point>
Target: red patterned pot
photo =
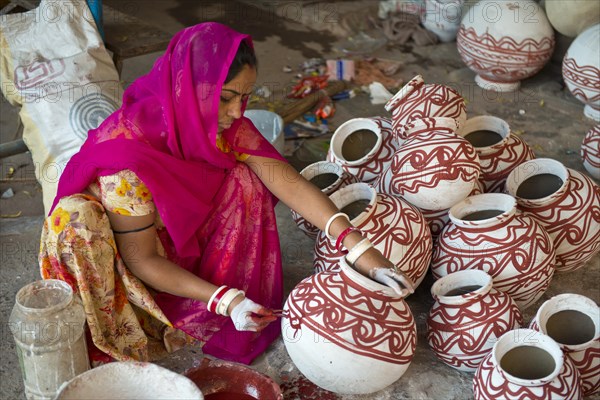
<point>347,333</point>
<point>590,152</point>
<point>581,70</point>
<point>505,42</point>
<point>437,219</point>
<point>328,177</point>
<point>499,150</point>
<point>468,317</point>
<point>565,202</point>
<point>363,147</point>
<point>395,228</point>
<point>486,233</point>
<point>526,364</point>
<point>417,100</point>
<point>573,321</point>
<point>434,168</point>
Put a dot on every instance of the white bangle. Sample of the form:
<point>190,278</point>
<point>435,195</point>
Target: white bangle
<point>226,300</point>
<point>330,221</point>
<point>358,250</point>
<point>212,298</point>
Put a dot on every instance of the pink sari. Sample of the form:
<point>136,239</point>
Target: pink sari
<point>218,216</point>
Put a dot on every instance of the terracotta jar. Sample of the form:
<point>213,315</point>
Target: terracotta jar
<point>395,228</point>
<point>499,150</point>
<point>347,333</point>
<point>573,321</point>
<point>565,202</point>
<point>581,70</point>
<point>486,233</point>
<point>590,152</point>
<point>467,318</point>
<point>363,147</point>
<point>417,100</point>
<point>434,168</point>
<point>328,177</point>
<point>526,364</point>
<point>505,42</point>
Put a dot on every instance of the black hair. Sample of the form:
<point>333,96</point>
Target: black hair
<point>244,56</point>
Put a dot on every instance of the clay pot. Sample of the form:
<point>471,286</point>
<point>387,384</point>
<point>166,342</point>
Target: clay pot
<point>505,42</point>
<point>395,228</point>
<point>571,17</point>
<point>363,147</point>
<point>226,380</point>
<point>563,201</point>
<point>590,152</point>
<point>417,100</point>
<point>442,17</point>
<point>526,364</point>
<point>347,333</point>
<point>434,168</point>
<point>499,150</point>
<point>437,219</point>
<point>467,318</point>
<point>328,177</point>
<point>581,70</point>
<point>486,233</point>
<point>573,321</point>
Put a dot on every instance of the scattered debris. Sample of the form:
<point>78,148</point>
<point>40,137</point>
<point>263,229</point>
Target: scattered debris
<point>342,70</point>
<point>379,94</point>
<point>308,85</point>
<point>15,215</point>
<point>287,69</point>
<point>521,112</point>
<point>570,152</point>
<point>542,103</point>
<point>263,91</point>
<point>378,70</point>
<point>519,132</point>
<point>11,172</point>
<point>8,193</point>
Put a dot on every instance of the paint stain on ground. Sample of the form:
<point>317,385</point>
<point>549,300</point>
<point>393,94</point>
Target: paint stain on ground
<point>300,388</point>
<point>261,23</point>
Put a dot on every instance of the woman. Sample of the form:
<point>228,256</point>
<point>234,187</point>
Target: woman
<point>164,221</point>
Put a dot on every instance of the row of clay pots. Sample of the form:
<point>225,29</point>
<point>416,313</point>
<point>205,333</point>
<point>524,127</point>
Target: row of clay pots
<point>471,325</point>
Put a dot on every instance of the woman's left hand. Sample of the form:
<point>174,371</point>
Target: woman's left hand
<point>399,282</point>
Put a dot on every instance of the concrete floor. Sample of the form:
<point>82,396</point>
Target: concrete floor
<point>550,120</point>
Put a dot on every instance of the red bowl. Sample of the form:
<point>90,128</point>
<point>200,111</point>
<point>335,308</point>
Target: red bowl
<point>225,380</point>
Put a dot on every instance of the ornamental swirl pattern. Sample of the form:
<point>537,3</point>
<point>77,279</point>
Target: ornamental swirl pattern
<point>490,384</point>
<point>372,325</point>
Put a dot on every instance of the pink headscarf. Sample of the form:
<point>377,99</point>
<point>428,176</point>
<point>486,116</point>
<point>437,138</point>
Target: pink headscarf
<point>166,131</point>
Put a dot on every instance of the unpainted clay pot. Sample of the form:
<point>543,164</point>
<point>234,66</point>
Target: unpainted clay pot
<point>590,152</point>
<point>565,202</point>
<point>505,42</point>
<point>363,147</point>
<point>486,233</point>
<point>347,333</point>
<point>571,17</point>
<point>573,321</point>
<point>499,150</point>
<point>468,317</point>
<point>434,168</point>
<point>581,70</point>
<point>417,100</point>
<point>396,228</point>
<point>526,364</point>
<point>328,177</point>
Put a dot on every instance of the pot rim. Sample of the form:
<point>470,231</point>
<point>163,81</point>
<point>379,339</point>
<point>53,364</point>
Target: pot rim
<point>324,167</point>
<point>367,282</point>
<point>354,192</point>
<point>469,277</point>
<point>60,287</point>
<point>345,130</point>
<point>498,125</point>
<point>534,167</point>
<point>412,85</point>
<point>479,202</point>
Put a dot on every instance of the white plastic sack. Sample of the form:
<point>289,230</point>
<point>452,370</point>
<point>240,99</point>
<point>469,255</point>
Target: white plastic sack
<point>55,67</point>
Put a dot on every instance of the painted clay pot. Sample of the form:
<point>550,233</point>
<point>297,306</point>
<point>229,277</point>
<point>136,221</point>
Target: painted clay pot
<point>434,168</point>
<point>573,321</point>
<point>499,150</point>
<point>437,219</point>
<point>581,70</point>
<point>417,100</point>
<point>505,42</point>
<point>396,228</point>
<point>486,233</point>
<point>571,17</point>
<point>328,177</point>
<point>590,152</point>
<point>363,147</point>
<point>565,202</point>
<point>468,317</point>
<point>526,364</point>
<point>442,17</point>
<point>347,333</point>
